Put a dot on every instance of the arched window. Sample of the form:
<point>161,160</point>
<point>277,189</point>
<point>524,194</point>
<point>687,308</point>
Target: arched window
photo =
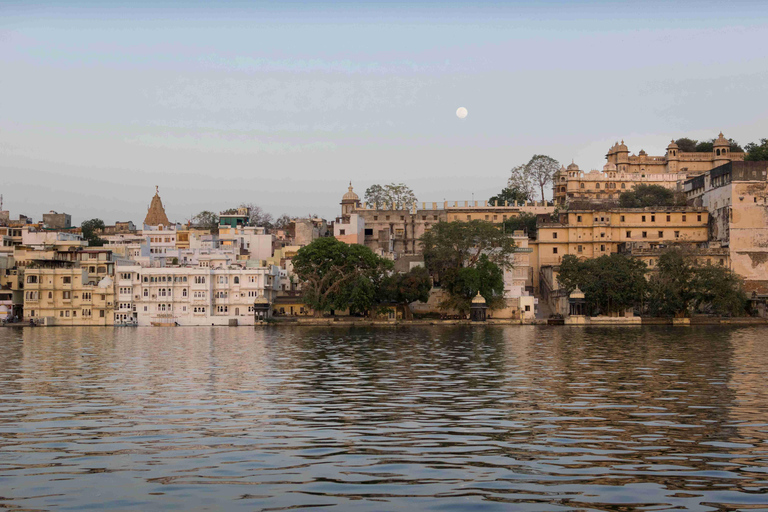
<point>597,185</point>
<point>718,152</point>
<point>623,186</point>
<point>237,280</point>
<point>582,185</point>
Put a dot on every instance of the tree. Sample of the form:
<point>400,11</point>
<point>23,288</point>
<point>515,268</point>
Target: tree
<point>451,248</point>
<point>542,169</point>
<point>206,220</point>
<point>89,230</point>
<point>336,275</point>
<point>404,288</point>
<point>611,283</point>
<point>718,290</point>
<point>524,222</point>
<point>643,195</point>
<point>520,180</point>
<point>509,195</point>
<point>686,145</point>
<point>757,152</point>
<point>683,286</point>
<point>282,222</point>
<point>257,216</point>
<point>705,146</point>
<point>394,194</point>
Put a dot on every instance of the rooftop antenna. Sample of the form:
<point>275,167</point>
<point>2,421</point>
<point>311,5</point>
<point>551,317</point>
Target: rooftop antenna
<point>1,202</point>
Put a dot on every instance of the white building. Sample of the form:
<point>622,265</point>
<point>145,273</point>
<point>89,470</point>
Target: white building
<point>194,295</point>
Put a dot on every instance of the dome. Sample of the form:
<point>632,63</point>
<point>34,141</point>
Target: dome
<point>622,147</point>
<point>576,294</point>
<point>573,166</point>
<point>609,167</point>
<point>672,145</point>
<point>642,153</point>
<point>479,299</point>
<point>350,195</point>
<point>721,141</point>
<point>261,300</point>
<point>105,283</point>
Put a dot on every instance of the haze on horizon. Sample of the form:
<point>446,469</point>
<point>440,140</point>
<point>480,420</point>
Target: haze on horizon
<point>282,105</point>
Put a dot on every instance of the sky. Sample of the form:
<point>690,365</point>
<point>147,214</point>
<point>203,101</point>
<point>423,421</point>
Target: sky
<point>282,104</point>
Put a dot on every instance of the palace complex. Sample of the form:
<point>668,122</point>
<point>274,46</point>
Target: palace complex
<point>237,273</point>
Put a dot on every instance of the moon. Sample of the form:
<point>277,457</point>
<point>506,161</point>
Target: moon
<point>461,112</point>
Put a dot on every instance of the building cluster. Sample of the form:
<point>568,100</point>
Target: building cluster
<point>235,273</point>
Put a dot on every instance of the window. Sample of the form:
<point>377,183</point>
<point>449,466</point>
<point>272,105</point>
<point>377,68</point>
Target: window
<point>623,186</point>
<point>32,280</point>
<point>554,250</point>
<point>653,218</point>
<point>375,217</point>
<point>645,234</point>
<point>578,249</point>
<point>342,231</point>
<point>698,217</point>
<point>602,235</point>
<point>581,185</point>
<point>602,248</point>
<point>495,217</point>
<point>67,280</point>
<point>527,307</point>
<point>643,218</point>
<point>368,232</point>
<point>597,185</point>
<point>578,218</point>
<point>237,280</point>
<point>683,217</point>
<point>469,217</point>
<point>622,218</point>
<point>661,234</point>
<point>669,217</point>
<point>184,292</point>
<point>86,295</point>
<point>387,217</point>
<point>66,295</point>
<point>50,295</point>
<point>677,234</point>
<point>629,234</point>
<point>487,217</point>
<point>554,235</point>
<point>101,313</point>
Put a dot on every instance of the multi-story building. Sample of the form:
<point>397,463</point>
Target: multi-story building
<point>594,233</point>
<point>624,171</point>
<point>736,197</point>
<point>55,220</point>
<point>195,295</point>
<point>61,293</point>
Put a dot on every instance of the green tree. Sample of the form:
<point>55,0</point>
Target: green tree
<point>686,145</point>
<point>89,230</point>
<point>542,169</point>
<point>522,181</point>
<point>757,152</point>
<point>336,275</point>
<point>611,283</point>
<point>509,195</point>
<point>394,194</point>
<point>404,288</point>
<point>206,220</point>
<point>642,196</point>
<point>705,146</point>
<point>523,222</point>
<point>718,290</point>
<point>450,248</point>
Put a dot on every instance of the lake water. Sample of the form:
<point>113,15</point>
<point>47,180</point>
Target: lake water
<point>432,418</point>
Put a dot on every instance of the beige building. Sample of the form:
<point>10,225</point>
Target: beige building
<point>61,293</point>
<point>736,196</point>
<point>623,171</point>
<point>594,233</point>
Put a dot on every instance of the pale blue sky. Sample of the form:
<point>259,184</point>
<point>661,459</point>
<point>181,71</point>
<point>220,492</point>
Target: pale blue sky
<point>282,104</point>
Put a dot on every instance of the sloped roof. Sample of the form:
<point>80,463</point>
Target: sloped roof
<point>156,213</point>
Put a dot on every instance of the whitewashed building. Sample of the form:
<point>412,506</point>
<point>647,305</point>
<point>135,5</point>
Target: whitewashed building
<point>194,295</point>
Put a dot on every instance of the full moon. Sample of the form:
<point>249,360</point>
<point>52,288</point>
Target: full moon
<point>461,112</point>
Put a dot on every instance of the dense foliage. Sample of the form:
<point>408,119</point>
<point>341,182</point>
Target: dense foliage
<point>510,195</point>
<point>523,222</point>
<point>89,229</point>
<point>687,145</point>
<point>404,288</point>
<point>611,284</point>
<point>642,196</point>
<point>395,194</point>
<point>206,220</point>
<point>757,152</point>
<point>336,275</point>
<point>682,286</point>
<point>467,257</point>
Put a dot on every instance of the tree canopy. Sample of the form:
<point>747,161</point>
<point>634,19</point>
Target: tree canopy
<point>467,257</point>
<point>393,194</point>
<point>89,229</point>
<point>687,145</point>
<point>206,220</point>
<point>611,283</point>
<point>336,275</point>
<point>542,169</point>
<point>643,195</point>
<point>682,285</point>
<point>404,288</point>
<point>523,222</point>
<point>757,152</point>
<point>510,195</point>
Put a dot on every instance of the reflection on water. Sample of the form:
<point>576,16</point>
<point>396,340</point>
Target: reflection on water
<point>490,418</point>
